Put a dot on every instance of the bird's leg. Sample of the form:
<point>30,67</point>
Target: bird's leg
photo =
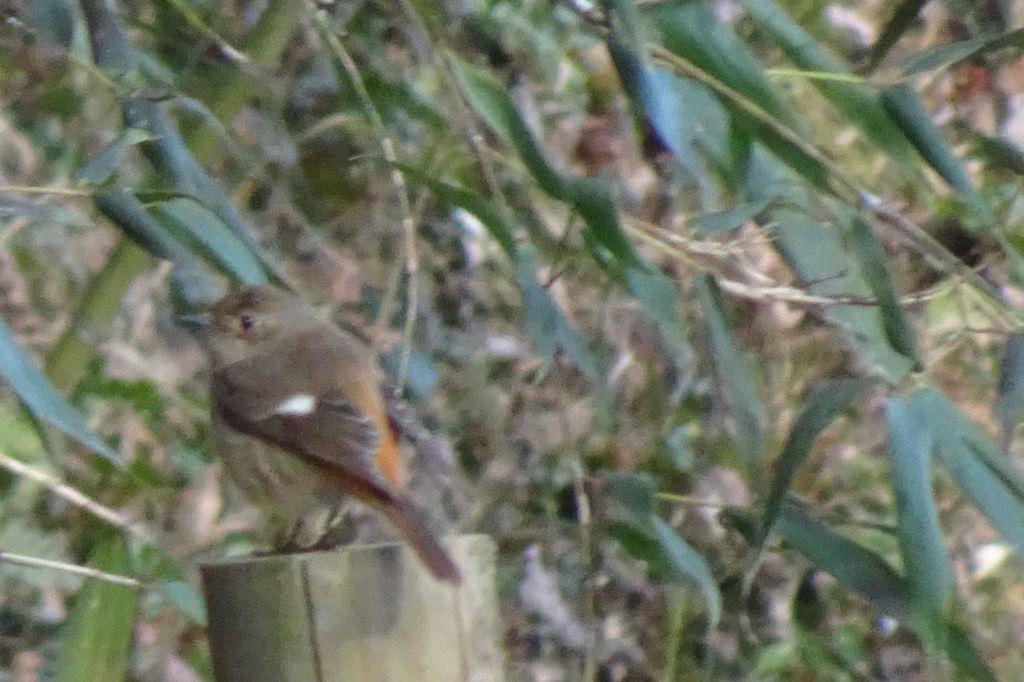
<point>332,533</point>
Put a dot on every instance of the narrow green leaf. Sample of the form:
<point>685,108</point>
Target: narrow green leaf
<point>590,198</point>
<point>815,253</point>
<point>493,104</point>
<point>98,635</point>
<point>690,565</point>
<point>858,568</point>
<point>952,422</point>
<point>172,159</point>
<point>194,225</point>
<point>632,495</point>
<point>660,96</point>
<point>102,165</point>
<point>981,470</point>
<point>196,284</point>
<point>546,323</point>
<point>731,218</point>
<point>906,108</point>
<point>857,102</point>
<point>998,153</point>
<point>692,31</point>
<point>639,543</point>
<point>1010,403</point>
<point>945,56</point>
<point>872,262</point>
<point>929,579</point>
<point>901,19</point>
<point>472,202</point>
<point>735,373</point>
<point>32,388</point>
<point>820,410</point>
<point>660,298</point>
<point>965,656</point>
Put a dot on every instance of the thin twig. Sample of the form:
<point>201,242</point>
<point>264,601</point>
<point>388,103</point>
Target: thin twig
<point>772,292</point>
<point>397,179</point>
<point>73,496</point>
<point>84,571</point>
<point>30,189</point>
<point>689,501</point>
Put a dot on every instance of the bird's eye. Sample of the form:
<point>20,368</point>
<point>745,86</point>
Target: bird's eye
<point>246,322</point>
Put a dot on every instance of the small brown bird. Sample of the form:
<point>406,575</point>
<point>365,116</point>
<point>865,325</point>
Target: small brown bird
<point>301,414</point>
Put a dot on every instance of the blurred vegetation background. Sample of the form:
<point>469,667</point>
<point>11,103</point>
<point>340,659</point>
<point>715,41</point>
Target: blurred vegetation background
<point>718,305</point>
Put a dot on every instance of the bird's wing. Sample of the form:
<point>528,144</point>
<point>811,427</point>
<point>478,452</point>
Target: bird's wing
<point>325,430</point>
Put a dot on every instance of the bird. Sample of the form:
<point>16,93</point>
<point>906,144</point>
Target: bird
<point>299,409</point>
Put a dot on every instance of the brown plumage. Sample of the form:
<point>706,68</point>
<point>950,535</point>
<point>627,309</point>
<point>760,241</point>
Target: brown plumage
<point>300,411</point>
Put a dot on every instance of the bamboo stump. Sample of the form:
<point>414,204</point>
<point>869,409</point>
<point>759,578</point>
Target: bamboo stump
<point>368,613</point>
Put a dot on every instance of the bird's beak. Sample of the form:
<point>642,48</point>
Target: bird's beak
<point>195,322</point>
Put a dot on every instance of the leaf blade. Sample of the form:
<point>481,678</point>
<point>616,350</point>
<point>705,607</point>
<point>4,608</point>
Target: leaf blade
<point>42,400</point>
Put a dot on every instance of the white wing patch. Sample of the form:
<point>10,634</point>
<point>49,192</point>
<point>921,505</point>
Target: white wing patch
<point>298,404</point>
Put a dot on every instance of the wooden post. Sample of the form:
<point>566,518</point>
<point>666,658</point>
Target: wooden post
<point>367,613</point>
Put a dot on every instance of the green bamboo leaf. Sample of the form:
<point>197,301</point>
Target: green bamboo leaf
<point>1010,402</point>
<point>469,201</point>
<point>978,466</point>
<point>731,218</point>
<point>816,255</point>
<point>821,409</point>
<point>98,169</point>
<point>587,195</point>
<point>660,298</point>
<point>545,321</point>
<point>929,579</point>
<point>998,153</point>
<point>200,229</point>
<point>42,400</point>
<point>98,635</point>
<point>631,495</point>
<point>493,104</point>
<point>902,18</point>
<point>853,565</point>
<point>172,159</point>
<point>944,56</point>
<point>965,656</point>
<point>857,102</point>
<point>663,99</point>
<point>872,262</point>
<point>906,108</point>
<point>591,199</point>
<point>194,282</point>
<point>689,564</point>
<point>692,31</point>
<point>735,372</point>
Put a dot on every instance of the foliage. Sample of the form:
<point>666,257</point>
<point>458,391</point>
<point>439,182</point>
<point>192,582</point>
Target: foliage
<point>717,304</point>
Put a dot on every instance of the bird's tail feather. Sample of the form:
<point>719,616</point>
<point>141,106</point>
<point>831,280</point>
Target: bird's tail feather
<point>435,557</point>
